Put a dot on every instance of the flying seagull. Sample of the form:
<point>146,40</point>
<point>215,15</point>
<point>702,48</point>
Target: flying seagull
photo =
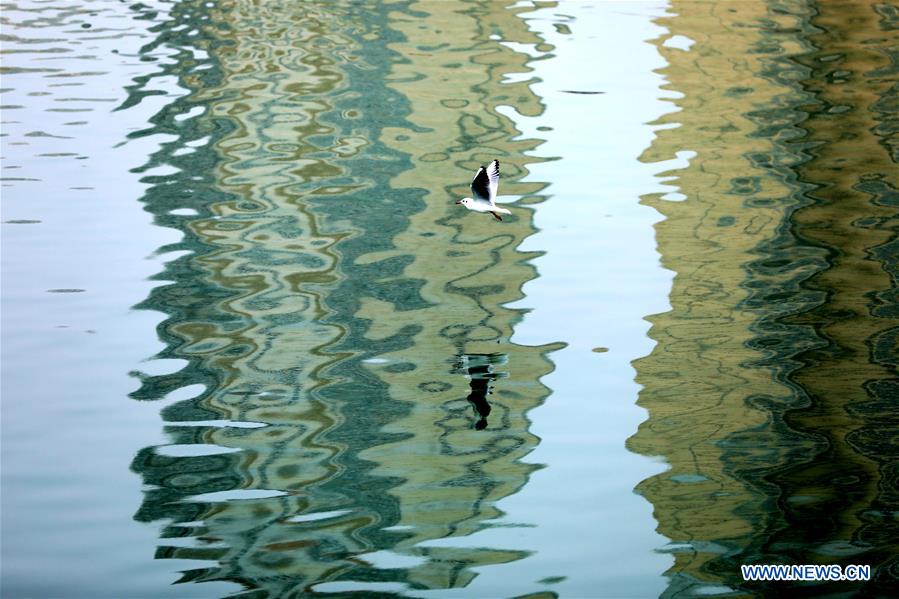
<point>483,188</point>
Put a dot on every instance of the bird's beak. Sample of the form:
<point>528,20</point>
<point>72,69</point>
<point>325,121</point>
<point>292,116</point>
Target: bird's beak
<point>458,201</point>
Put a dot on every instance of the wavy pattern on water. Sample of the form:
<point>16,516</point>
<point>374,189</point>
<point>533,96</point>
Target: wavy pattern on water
<point>332,302</point>
<point>453,78</point>
<point>259,280</point>
<point>767,388</point>
<point>697,389</point>
<point>835,505</point>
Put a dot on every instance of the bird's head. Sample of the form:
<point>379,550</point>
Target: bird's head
<point>467,202</point>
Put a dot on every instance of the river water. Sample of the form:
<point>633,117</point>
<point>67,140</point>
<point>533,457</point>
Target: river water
<point>252,348</point>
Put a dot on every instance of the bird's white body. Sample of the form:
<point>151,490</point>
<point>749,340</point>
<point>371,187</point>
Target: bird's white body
<point>483,188</point>
<point>471,204</point>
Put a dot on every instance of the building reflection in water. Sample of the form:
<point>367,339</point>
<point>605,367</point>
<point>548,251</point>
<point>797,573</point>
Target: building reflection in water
<point>327,283</point>
<point>770,386</point>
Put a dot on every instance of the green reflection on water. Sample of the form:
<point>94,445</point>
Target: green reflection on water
<point>334,295</point>
<point>771,391</point>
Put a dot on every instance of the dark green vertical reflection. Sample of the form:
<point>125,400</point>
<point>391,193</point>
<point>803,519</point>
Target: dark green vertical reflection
<point>772,389</point>
<point>841,505</point>
<point>332,303</point>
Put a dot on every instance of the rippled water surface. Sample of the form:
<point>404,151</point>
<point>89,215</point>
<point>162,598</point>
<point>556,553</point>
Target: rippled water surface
<point>252,348</point>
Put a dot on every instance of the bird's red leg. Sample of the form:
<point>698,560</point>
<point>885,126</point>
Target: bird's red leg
<point>496,216</point>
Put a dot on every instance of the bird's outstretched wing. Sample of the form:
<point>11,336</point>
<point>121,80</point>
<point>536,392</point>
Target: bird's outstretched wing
<point>486,182</point>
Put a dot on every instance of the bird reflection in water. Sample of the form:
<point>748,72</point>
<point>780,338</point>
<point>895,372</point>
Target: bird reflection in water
<point>479,368</point>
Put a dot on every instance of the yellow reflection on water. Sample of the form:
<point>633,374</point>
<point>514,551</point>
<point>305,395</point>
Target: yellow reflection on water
<point>362,339</point>
<point>773,347</point>
<point>454,473</point>
<point>696,383</point>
